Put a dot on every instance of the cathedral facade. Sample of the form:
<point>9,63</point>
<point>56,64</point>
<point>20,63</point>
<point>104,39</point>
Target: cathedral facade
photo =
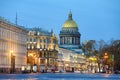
<point>70,48</point>
<point>69,35</point>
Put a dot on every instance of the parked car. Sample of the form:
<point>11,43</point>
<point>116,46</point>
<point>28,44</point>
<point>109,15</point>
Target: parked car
<point>117,72</point>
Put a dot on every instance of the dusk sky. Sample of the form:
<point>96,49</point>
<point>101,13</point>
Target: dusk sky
<point>97,19</point>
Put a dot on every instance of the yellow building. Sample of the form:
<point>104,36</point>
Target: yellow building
<point>12,46</point>
<point>42,49</point>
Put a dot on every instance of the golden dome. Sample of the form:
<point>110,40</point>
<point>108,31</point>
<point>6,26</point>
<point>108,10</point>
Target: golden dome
<point>70,23</point>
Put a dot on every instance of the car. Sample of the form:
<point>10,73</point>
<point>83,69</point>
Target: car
<point>117,72</point>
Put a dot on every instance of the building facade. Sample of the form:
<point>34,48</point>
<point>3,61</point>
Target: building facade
<point>64,59</point>
<point>70,60</point>
<point>42,49</point>
<point>12,46</point>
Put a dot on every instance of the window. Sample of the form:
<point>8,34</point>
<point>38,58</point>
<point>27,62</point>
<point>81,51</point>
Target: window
<point>40,40</point>
<point>38,33</point>
<point>44,46</point>
<point>44,40</point>
<point>48,40</point>
<point>27,39</point>
<point>44,54</point>
<point>40,54</point>
<point>30,46</point>
<point>54,46</point>
<point>40,46</point>
<point>34,40</point>
<point>30,39</point>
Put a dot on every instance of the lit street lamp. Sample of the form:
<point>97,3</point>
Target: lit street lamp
<point>105,55</point>
<point>106,64</point>
<point>12,62</point>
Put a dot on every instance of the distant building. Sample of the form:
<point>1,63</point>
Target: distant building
<point>12,46</point>
<point>42,49</point>
<point>70,47</point>
<point>69,35</point>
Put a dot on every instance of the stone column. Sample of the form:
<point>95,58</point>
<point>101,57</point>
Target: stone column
<point>63,40</point>
<point>78,40</point>
<point>68,40</point>
<point>74,40</point>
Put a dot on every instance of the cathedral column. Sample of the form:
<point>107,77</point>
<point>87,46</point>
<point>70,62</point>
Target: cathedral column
<point>67,40</point>
<point>74,40</point>
<point>78,40</point>
<point>60,40</point>
<point>70,40</point>
<point>63,40</point>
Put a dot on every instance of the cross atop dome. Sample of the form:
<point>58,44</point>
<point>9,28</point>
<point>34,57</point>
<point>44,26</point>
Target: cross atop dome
<point>70,15</point>
<point>70,23</point>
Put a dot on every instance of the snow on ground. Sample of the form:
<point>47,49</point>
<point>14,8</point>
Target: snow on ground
<point>60,76</point>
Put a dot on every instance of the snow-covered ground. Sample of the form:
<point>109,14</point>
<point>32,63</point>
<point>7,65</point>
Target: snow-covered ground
<point>60,76</point>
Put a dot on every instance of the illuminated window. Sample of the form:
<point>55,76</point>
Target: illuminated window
<point>38,33</point>
<point>44,46</point>
<point>40,54</point>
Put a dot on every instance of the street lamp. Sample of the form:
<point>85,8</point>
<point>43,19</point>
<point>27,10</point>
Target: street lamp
<point>106,57</point>
<point>12,65</point>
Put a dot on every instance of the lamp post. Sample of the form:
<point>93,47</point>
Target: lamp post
<point>74,62</point>
<point>11,70</point>
<point>106,65</point>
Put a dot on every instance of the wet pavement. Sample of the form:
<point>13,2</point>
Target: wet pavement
<point>60,76</point>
